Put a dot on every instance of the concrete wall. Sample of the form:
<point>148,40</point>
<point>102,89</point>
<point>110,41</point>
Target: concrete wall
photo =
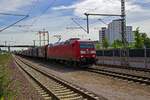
<point>139,62</point>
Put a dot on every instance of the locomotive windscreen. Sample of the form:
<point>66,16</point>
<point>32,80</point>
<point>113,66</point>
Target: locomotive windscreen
<point>86,45</point>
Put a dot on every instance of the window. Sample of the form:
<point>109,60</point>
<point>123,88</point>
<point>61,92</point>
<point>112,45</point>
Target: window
<point>86,45</point>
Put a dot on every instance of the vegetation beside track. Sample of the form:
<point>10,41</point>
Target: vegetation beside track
<point>5,80</point>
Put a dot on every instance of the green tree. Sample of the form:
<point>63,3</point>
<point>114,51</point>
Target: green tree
<point>139,43</point>
<point>105,43</point>
<point>141,39</point>
<point>117,44</point>
<point>146,40</point>
<point>147,43</point>
<point>97,46</point>
<point>131,45</point>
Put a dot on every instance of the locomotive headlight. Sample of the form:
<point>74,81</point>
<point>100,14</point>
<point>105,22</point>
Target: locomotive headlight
<point>93,52</point>
<point>83,52</point>
<point>82,56</point>
<point>94,56</point>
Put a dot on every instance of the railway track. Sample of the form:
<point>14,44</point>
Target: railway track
<point>54,88</point>
<point>125,67</point>
<point>129,77</point>
<point>125,70</point>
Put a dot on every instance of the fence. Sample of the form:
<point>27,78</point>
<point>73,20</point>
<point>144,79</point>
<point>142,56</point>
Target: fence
<point>136,58</point>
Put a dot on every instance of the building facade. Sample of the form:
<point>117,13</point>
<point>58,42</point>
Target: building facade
<point>114,32</point>
<point>103,33</point>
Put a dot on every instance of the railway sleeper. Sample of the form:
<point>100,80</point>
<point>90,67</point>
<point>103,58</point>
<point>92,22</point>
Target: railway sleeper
<point>42,93</point>
<point>45,95</point>
<point>76,98</point>
<point>56,86</point>
<point>64,93</point>
<point>69,96</point>
<point>57,89</point>
<point>61,91</point>
<point>48,98</point>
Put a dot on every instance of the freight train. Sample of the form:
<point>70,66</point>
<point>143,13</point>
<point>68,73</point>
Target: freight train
<point>73,51</point>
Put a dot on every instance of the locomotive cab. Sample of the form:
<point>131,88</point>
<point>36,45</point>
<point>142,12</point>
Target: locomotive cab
<point>87,52</point>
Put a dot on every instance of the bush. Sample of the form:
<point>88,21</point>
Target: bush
<point>5,80</point>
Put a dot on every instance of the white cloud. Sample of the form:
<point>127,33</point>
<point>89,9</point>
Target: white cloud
<point>136,14</point>
<point>144,26</point>
<point>55,22</point>
<point>63,7</point>
<point>100,6</point>
<point>13,5</point>
<point>140,1</point>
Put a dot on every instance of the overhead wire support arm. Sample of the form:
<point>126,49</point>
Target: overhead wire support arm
<point>123,29</point>
<point>10,14</point>
<point>92,14</point>
<point>101,14</point>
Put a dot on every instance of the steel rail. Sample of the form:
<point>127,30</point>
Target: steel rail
<point>125,67</point>
<point>83,92</point>
<point>135,78</point>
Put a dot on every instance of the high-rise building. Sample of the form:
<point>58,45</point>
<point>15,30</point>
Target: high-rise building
<point>103,33</point>
<point>114,32</point>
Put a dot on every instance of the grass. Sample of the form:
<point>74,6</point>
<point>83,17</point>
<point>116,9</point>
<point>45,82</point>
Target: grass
<point>5,80</point>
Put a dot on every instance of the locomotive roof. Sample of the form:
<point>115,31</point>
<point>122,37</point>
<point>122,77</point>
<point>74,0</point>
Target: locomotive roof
<point>70,40</point>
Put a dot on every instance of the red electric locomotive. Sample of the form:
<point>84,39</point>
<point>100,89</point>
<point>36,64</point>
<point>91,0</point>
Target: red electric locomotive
<point>73,51</point>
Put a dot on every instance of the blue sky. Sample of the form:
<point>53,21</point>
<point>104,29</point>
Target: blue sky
<point>58,17</point>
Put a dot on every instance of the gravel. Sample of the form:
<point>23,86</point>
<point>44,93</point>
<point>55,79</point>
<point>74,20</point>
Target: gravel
<point>126,71</point>
<point>108,87</point>
<point>21,86</point>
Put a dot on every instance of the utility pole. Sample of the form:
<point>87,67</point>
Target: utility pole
<point>124,52</point>
<point>123,22</point>
<point>123,34</point>
<point>87,17</point>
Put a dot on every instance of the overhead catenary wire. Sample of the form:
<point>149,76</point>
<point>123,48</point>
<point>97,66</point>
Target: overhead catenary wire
<point>79,25</point>
<point>24,17</point>
<point>29,11</point>
<point>34,21</point>
<point>32,7</point>
<point>12,14</point>
<point>102,21</point>
<point>14,23</point>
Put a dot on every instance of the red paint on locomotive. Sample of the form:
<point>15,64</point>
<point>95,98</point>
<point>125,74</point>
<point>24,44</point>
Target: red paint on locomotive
<point>73,50</point>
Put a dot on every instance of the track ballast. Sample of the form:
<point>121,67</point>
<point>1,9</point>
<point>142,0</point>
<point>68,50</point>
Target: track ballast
<point>54,88</point>
<point>129,77</point>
